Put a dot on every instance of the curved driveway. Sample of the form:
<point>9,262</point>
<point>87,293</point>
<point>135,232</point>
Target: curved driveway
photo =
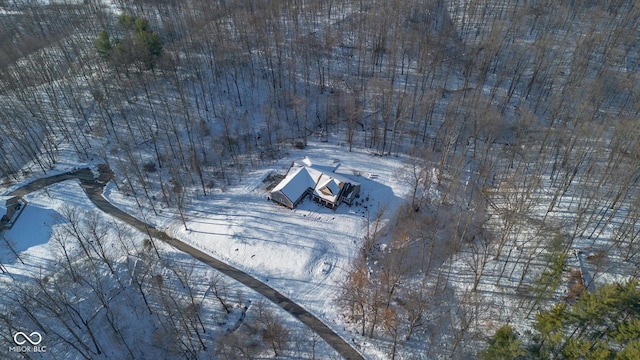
<point>94,187</point>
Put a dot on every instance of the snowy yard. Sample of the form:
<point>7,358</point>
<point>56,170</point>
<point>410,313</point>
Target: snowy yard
<point>303,253</point>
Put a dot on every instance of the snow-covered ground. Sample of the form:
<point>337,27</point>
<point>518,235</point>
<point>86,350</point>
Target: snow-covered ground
<point>306,252</point>
<point>30,236</point>
<point>303,253</point>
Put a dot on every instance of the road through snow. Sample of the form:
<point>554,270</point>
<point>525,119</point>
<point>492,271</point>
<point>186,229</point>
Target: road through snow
<point>94,188</point>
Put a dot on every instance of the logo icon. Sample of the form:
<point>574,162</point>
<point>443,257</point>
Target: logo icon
<point>21,338</point>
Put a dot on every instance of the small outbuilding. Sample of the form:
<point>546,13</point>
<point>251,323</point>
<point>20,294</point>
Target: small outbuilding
<point>320,182</point>
<point>10,208</point>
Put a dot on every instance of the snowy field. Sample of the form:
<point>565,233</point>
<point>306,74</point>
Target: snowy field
<point>30,236</point>
<point>303,253</point>
<point>38,255</point>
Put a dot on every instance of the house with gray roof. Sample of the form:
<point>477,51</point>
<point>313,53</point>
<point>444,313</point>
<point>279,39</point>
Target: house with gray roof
<point>321,183</point>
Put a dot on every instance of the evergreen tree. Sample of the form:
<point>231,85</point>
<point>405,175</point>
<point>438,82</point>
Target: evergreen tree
<point>126,21</point>
<point>503,345</point>
<point>103,45</point>
<point>141,25</point>
<point>143,46</point>
<point>602,325</point>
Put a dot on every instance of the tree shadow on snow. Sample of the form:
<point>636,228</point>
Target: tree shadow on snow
<point>33,228</point>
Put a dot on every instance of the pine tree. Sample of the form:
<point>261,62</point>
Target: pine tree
<point>126,21</point>
<point>143,46</point>
<point>140,25</point>
<point>103,45</point>
<point>602,325</point>
<point>503,345</point>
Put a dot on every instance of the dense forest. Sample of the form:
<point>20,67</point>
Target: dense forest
<point>515,120</point>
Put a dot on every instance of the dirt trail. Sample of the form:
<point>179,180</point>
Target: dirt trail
<point>94,188</point>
